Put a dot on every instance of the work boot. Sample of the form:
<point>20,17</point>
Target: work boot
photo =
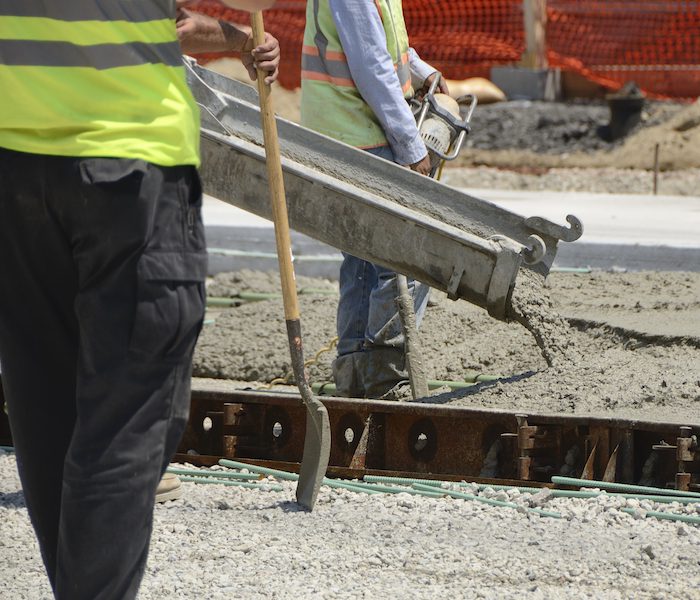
<point>384,375</point>
<point>169,488</point>
<point>347,374</point>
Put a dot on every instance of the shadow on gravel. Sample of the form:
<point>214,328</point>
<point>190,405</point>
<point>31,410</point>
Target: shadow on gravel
<point>12,500</point>
<point>286,506</point>
<point>449,397</point>
<point>290,507</point>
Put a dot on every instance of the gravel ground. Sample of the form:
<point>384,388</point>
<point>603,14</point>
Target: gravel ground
<point>222,542</point>
<point>685,182</point>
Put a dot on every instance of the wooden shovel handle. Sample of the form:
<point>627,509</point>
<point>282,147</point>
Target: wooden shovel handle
<point>276,183</point>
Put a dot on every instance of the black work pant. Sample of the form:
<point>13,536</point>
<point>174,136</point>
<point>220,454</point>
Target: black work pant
<point>102,267</point>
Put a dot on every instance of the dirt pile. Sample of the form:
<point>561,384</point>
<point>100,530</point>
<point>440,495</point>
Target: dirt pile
<point>678,139</point>
<point>552,135</point>
<point>553,127</point>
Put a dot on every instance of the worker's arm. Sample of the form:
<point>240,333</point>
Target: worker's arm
<point>422,74</point>
<point>201,33</point>
<point>364,44</point>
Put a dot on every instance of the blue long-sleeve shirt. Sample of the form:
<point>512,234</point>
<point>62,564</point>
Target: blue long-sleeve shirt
<point>364,43</point>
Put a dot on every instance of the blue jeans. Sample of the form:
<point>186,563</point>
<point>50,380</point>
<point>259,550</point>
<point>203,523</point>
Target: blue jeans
<point>368,320</point>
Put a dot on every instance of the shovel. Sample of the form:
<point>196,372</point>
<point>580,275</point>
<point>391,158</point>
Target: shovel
<point>317,443</point>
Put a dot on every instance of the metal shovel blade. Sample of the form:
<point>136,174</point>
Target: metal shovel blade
<point>317,447</point>
<point>317,443</point>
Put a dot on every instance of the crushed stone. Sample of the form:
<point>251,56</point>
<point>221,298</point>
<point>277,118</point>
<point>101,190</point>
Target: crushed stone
<point>221,542</point>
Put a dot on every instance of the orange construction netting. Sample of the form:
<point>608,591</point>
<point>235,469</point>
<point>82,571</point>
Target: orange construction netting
<point>655,43</point>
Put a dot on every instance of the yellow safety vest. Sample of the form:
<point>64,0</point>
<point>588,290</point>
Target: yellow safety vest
<point>331,103</point>
<point>88,78</point>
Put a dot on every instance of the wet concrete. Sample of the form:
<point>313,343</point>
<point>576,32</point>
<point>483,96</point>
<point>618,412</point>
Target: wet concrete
<point>633,356</point>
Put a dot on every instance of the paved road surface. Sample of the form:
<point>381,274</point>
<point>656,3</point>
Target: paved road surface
<point>625,231</point>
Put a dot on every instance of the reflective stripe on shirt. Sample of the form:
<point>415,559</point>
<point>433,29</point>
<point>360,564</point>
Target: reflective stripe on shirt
<point>135,11</point>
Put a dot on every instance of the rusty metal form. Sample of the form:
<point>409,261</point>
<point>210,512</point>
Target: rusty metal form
<point>439,441</point>
<point>687,455</point>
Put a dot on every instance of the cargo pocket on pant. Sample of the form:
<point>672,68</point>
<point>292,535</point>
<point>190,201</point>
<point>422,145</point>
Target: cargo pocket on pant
<point>170,304</point>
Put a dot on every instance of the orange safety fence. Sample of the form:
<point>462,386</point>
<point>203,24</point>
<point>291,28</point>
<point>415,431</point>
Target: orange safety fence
<point>655,43</point>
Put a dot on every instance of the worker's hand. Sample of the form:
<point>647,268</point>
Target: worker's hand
<point>441,88</point>
<point>202,33</point>
<point>266,57</point>
<point>422,166</point>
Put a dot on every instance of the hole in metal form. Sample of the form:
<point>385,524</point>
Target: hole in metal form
<point>207,424</point>
<point>349,435</point>
<point>278,427</point>
<point>421,442</point>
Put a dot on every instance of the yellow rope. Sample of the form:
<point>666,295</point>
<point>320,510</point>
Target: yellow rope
<point>311,361</point>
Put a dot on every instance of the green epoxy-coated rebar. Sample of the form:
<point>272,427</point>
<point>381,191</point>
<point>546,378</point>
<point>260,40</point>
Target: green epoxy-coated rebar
<point>622,487</point>
<point>385,489</point>
<point>490,501</point>
<point>419,489</point>
<point>594,494</point>
<point>404,480</point>
<point>439,482</point>
<point>272,487</point>
<point>427,487</point>
<point>649,497</point>
<point>333,483</point>
<point>531,490</point>
<point>665,516</point>
<point>208,473</point>
<point>229,301</point>
<point>223,302</point>
<point>234,464</point>
<point>434,384</point>
<point>348,485</point>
